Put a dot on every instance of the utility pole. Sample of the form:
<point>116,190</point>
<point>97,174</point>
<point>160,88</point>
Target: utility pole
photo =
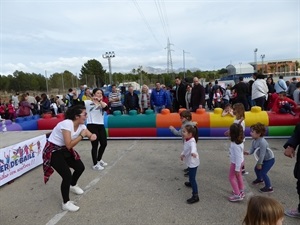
<point>184,62</point>
<point>262,63</point>
<point>108,56</point>
<point>169,57</point>
<point>46,81</point>
<point>255,60</point>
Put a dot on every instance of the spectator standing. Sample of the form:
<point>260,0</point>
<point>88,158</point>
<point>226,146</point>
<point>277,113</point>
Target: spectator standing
<point>292,87</point>
<point>291,146</point>
<point>280,85</point>
<point>115,100</point>
<point>272,95</point>
<point>241,90</point>
<point>180,89</point>
<point>24,107</point>
<point>158,98</point>
<point>259,90</point>
<point>296,94</point>
<point>15,99</point>
<point>197,95</point>
<point>45,104</point>
<point>87,95</point>
<point>144,99</point>
<point>131,100</point>
<point>188,97</point>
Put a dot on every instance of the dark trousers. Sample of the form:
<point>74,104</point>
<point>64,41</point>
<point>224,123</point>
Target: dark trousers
<point>100,131</point>
<point>192,179</point>
<point>260,102</point>
<point>62,161</point>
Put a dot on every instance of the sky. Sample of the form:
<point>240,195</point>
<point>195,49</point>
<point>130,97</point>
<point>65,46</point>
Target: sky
<point>48,36</point>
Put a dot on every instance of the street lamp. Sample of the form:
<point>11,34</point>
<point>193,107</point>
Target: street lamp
<point>255,60</point>
<point>108,56</point>
<point>262,63</point>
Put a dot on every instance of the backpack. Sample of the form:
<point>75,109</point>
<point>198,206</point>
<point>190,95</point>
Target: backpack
<point>69,100</point>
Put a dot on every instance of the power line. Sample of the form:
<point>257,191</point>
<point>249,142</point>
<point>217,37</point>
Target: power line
<point>145,20</point>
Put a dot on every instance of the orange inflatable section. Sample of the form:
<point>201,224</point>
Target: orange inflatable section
<point>166,119</point>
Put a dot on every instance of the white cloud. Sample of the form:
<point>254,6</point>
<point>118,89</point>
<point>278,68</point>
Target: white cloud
<point>62,35</point>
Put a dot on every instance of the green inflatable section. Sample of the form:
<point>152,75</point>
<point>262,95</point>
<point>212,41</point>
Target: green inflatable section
<point>280,130</point>
<point>132,120</point>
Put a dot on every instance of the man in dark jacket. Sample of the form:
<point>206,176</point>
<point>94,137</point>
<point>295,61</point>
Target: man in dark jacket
<point>179,100</point>
<point>131,100</point>
<point>290,151</point>
<point>241,90</point>
<point>197,95</point>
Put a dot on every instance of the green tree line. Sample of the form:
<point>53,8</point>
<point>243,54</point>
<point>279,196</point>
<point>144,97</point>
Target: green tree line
<point>93,75</point>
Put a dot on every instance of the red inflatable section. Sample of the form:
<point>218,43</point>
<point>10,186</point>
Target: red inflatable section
<point>48,122</point>
<point>132,132</point>
<point>277,119</point>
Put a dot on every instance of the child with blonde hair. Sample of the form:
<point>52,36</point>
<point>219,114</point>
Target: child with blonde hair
<point>263,211</point>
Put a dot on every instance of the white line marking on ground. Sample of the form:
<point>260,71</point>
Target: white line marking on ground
<point>54,220</point>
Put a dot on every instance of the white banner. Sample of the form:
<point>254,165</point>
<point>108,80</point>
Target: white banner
<point>17,159</point>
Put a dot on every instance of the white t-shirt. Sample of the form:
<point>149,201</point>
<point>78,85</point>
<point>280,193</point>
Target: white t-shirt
<point>95,114</point>
<point>56,136</point>
<point>190,147</point>
<point>236,155</point>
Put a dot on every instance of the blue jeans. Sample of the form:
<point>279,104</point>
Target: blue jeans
<point>192,179</point>
<point>157,109</point>
<point>262,174</point>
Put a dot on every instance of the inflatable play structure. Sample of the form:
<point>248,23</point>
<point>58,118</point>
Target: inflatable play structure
<point>156,126</point>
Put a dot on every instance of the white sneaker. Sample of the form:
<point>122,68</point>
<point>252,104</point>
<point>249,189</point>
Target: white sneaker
<point>77,190</point>
<point>102,163</point>
<point>69,206</point>
<point>98,167</point>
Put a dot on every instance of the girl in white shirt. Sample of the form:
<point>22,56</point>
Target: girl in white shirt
<point>95,109</point>
<point>191,158</point>
<point>236,151</point>
<point>59,154</point>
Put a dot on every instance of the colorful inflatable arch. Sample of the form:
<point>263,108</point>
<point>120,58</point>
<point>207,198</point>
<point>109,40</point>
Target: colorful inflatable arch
<point>156,126</point>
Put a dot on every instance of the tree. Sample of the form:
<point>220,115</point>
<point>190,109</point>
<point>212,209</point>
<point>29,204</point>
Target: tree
<point>92,73</point>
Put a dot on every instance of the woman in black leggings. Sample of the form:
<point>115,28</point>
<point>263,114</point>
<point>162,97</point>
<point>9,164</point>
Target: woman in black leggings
<point>95,124</point>
<point>59,154</point>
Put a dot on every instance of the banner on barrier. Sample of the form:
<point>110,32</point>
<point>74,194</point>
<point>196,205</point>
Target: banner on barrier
<point>17,159</point>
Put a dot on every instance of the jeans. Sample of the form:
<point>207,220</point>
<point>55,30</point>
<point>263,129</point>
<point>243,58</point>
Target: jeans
<point>236,181</point>
<point>262,173</point>
<point>157,109</point>
<point>192,179</point>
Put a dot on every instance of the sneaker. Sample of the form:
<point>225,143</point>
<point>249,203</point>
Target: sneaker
<point>186,170</point>
<point>193,199</point>
<point>188,184</point>
<point>242,194</point>
<point>292,213</point>
<point>97,167</point>
<point>69,206</point>
<point>102,163</point>
<point>255,182</point>
<point>266,190</point>
<point>77,190</point>
<point>235,198</point>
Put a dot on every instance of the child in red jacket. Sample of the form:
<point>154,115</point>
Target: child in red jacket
<point>284,104</point>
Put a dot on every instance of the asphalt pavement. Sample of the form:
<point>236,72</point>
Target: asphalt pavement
<point>144,184</point>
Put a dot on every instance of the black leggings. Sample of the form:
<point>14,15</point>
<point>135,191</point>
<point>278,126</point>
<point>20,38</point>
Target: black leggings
<point>100,131</point>
<point>62,161</point>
